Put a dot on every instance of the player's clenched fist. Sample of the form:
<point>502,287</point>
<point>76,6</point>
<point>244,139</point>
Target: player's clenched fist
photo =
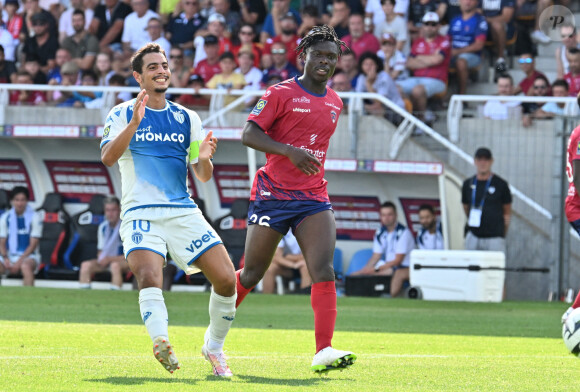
<point>208,146</point>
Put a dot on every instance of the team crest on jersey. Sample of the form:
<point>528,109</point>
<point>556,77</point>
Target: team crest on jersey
<point>179,117</point>
<point>137,237</point>
<point>333,116</point>
<point>106,131</point>
<point>259,106</point>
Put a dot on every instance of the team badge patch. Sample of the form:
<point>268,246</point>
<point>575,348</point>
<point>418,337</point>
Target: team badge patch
<point>137,237</point>
<point>106,132</point>
<point>259,106</point>
<point>333,116</point>
<point>179,117</point>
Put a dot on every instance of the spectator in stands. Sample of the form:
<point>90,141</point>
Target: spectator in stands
<point>349,65</point>
<point>195,100</point>
<point>82,45</point>
<point>208,67</point>
<point>393,25</point>
<point>8,42</point>
<point>7,69</point>
<point>42,43</point>
<point>340,83</point>
<point>182,28</point>
<point>179,71</point>
<point>372,78</point>
<point>392,246</point>
<point>20,231</point>
<point>569,37</point>
<point>215,26</point>
<point>430,236</point>
<point>287,260</point>
<point>32,66</point>
<point>540,88</point>
<point>418,9</point>
<point>468,33</point>
<point>117,80</point>
<point>65,23</point>
<point>155,32</point>
<point>496,109</point>
<point>133,26</point>
<point>62,56</point>
<point>227,79</point>
<point>310,18</point>
<point>251,74</point>
<point>31,8</point>
<point>393,59</point>
<point>232,18</point>
<point>573,76</point>
<point>527,65</point>
<point>429,62</point>
<point>281,66</point>
<point>26,97</point>
<point>339,20</point>
<point>499,16</point>
<point>246,37</point>
<point>253,12</point>
<point>272,26</point>
<point>107,25</point>
<point>552,109</point>
<point>538,35</point>
<point>70,73</point>
<point>453,9</point>
<point>110,249</point>
<point>88,99</point>
<point>288,37</point>
<point>487,201</point>
<point>103,68</point>
<point>359,40</point>
<point>14,21</point>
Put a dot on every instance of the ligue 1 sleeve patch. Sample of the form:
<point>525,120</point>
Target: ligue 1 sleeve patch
<point>106,132</point>
<point>259,106</point>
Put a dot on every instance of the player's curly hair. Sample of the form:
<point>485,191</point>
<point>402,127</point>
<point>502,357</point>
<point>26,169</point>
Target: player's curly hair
<point>137,59</point>
<point>320,34</point>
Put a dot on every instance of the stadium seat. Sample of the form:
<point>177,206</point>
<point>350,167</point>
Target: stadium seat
<point>55,235</point>
<point>232,229</point>
<point>359,260</point>
<point>85,224</point>
<point>4,202</point>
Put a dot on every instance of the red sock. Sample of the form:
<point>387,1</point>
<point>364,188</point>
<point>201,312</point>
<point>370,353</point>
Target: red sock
<point>323,300</point>
<point>576,303</point>
<point>242,291</point>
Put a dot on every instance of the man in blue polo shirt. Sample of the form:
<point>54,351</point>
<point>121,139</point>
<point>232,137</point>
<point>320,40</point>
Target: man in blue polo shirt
<point>181,29</point>
<point>468,32</point>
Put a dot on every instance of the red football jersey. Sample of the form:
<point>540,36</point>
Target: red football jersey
<point>574,83</point>
<point>290,114</point>
<point>439,44</point>
<point>572,200</point>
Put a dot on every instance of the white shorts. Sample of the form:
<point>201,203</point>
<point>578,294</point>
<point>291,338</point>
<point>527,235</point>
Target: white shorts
<point>182,232</point>
<point>13,257</point>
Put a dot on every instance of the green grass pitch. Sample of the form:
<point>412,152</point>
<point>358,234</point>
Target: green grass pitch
<point>73,340</point>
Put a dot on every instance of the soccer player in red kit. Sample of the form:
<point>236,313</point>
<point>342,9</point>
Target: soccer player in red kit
<point>572,204</point>
<point>292,123</point>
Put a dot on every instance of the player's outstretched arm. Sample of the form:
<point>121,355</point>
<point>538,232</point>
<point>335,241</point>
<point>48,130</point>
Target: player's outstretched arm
<point>112,151</point>
<point>203,168</point>
<point>254,137</point>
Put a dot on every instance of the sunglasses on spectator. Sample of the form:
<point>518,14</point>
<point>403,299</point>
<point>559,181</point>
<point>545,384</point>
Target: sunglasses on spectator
<point>540,86</point>
<point>526,61</point>
<point>432,24</point>
<point>278,51</point>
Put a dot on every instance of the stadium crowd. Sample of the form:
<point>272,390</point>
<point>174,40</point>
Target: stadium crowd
<point>406,50</point>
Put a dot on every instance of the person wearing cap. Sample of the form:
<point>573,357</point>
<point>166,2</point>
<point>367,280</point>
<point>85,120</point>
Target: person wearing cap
<point>216,26</point>
<point>272,25</point>
<point>82,46</point>
<point>32,7</point>
<point>468,33</point>
<point>135,25</point>
<point>487,202</point>
<point>43,43</point>
<point>288,37</point>
<point>227,79</point>
<point>429,62</point>
<point>358,40</point>
<point>393,25</point>
<point>394,60</point>
<point>209,66</point>
<point>181,28</point>
<point>417,9</point>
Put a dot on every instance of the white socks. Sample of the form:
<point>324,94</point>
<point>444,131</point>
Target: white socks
<point>222,311</point>
<point>153,311</point>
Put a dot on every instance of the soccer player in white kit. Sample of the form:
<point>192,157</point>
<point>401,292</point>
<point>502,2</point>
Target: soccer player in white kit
<point>153,140</point>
